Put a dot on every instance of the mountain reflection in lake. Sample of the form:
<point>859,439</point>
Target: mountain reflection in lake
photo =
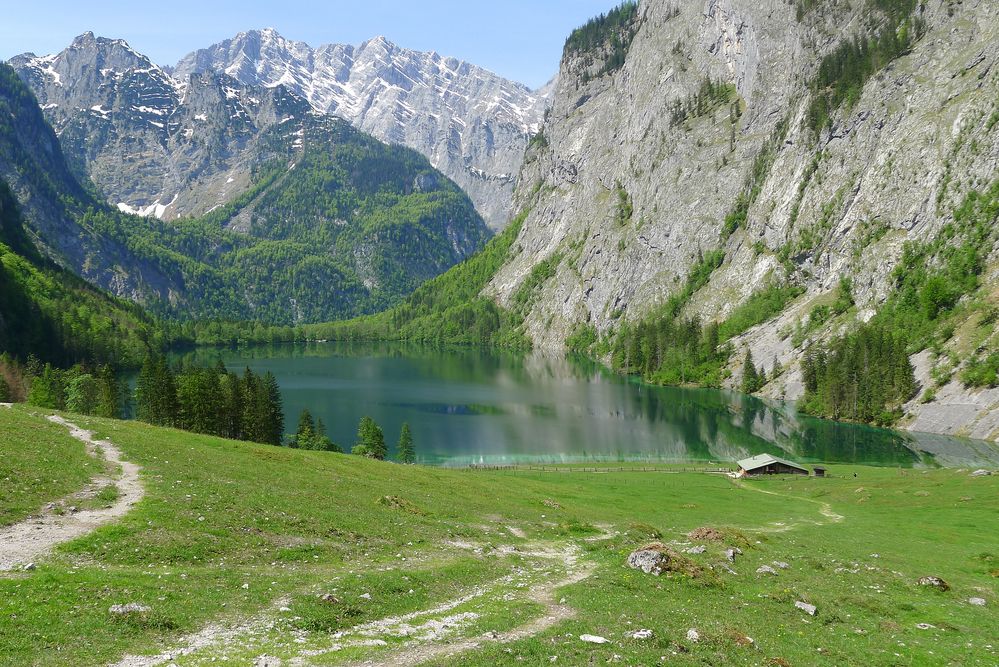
<point>484,406</point>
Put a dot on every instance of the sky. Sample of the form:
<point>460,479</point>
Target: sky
<point>518,39</point>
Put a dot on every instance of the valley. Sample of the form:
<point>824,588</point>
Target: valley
<point>242,554</point>
<point>342,352</point>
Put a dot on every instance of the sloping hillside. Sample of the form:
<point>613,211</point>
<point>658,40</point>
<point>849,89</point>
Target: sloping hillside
<point>735,163</point>
<point>330,223</point>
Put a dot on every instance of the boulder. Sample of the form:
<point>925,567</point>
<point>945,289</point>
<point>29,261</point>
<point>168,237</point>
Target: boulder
<point>657,558</point>
<point>935,582</point>
<point>809,609</point>
<point>130,608</point>
<point>732,553</point>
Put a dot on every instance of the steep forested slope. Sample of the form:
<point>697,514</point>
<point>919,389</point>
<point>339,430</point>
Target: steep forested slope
<point>332,222</point>
<point>50,314</point>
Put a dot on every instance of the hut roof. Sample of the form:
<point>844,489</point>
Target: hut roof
<point>762,460</point>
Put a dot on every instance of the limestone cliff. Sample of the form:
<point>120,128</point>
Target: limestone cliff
<point>640,162</point>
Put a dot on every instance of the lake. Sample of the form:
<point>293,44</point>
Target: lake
<point>475,406</point>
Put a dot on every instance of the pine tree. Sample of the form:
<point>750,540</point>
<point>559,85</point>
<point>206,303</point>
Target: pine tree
<point>370,439</point>
<point>406,451</point>
<point>305,435</point>
<point>108,394</point>
<point>47,389</point>
<point>82,394</point>
<point>273,410</point>
<point>750,378</point>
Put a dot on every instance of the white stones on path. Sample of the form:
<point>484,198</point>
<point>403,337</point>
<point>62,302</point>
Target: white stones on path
<point>25,542</point>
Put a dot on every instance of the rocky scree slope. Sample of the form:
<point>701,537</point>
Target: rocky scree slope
<point>692,132</point>
<point>470,123</point>
<point>310,219</point>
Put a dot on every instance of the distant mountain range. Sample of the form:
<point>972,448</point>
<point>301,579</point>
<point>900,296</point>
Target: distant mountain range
<point>174,142</point>
<point>306,218</point>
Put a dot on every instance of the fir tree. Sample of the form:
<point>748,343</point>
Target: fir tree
<point>406,452</point>
<point>370,439</point>
<point>750,377</point>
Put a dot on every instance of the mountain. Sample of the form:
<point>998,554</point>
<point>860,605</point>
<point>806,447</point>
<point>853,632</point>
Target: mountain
<point>786,175</point>
<point>309,218</point>
<point>51,314</point>
<point>472,124</point>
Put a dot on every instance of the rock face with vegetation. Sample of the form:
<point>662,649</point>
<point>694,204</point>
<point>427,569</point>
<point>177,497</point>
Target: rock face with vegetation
<point>810,182</point>
<point>305,217</point>
<point>470,123</point>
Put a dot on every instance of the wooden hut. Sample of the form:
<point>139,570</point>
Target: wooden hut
<point>820,471</point>
<point>765,464</point>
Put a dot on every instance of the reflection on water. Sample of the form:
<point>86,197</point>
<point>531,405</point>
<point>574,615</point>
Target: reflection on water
<point>484,406</point>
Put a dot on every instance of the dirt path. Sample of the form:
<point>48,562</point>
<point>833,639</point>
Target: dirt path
<point>825,509</point>
<point>29,540</point>
<point>428,630</point>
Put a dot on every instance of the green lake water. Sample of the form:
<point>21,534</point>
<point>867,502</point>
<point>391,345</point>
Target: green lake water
<point>471,406</point>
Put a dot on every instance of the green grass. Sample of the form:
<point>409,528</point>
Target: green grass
<point>294,524</point>
<point>39,463</point>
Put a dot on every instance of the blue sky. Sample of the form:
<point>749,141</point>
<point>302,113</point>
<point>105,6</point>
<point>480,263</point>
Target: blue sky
<point>519,39</point>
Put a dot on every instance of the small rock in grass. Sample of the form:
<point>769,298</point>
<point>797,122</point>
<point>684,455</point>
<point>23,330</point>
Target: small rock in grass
<point>781,564</point>
<point>329,598</point>
<point>642,634</point>
<point>981,473</point>
<point>765,569</point>
<point>245,587</point>
<point>978,602</point>
<point>29,567</point>
<point>284,609</point>
<point>657,558</point>
<point>925,626</point>
<point>693,635</point>
<point>805,607</point>
<point>732,553</point>
<point>935,582</point>
<point>130,608</point>
<point>365,596</point>
<point>492,634</point>
<point>594,639</point>
<point>697,550</point>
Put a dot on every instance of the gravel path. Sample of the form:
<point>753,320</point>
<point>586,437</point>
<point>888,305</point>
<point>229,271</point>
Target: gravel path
<point>25,542</point>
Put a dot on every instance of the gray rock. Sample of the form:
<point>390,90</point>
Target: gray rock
<point>29,567</point>
<point>693,635</point>
<point>935,582</point>
<point>732,553</point>
<point>130,608</point>
<point>611,137</point>
<point>699,549</point>
<point>766,569</point>
<point>977,602</point>
<point>981,473</point>
<point>472,124</point>
<point>809,609</point>
<point>594,639</point>
<point>642,634</point>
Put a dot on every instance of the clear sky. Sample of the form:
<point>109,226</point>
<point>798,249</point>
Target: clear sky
<point>518,39</point>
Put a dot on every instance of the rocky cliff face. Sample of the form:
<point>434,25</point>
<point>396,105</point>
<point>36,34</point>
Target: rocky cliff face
<point>638,167</point>
<point>472,124</point>
<point>153,145</point>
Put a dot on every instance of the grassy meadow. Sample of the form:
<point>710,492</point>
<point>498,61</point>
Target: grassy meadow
<point>333,559</point>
